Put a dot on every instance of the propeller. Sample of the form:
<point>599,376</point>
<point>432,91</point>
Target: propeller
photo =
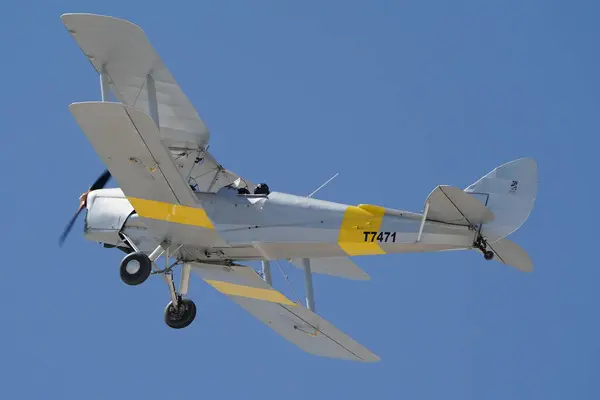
<point>99,184</point>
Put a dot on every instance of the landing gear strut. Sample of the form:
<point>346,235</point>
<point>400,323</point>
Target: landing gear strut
<point>482,245</point>
<point>136,267</point>
<point>180,312</point>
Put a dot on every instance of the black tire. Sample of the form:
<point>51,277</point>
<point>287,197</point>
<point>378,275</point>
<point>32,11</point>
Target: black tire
<point>488,255</point>
<point>182,316</point>
<point>141,270</point>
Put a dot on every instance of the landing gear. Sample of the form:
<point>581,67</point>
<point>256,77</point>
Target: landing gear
<point>180,312</point>
<point>181,315</point>
<point>135,268</point>
<point>482,245</point>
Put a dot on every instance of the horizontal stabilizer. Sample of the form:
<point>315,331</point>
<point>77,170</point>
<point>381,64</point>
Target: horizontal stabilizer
<point>454,206</point>
<point>509,253</point>
<point>291,320</point>
<point>342,267</point>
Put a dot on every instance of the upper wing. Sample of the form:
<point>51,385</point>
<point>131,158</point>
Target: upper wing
<point>127,141</point>
<point>291,320</point>
<point>121,49</point>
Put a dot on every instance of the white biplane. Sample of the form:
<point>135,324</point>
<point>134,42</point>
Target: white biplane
<point>175,200</point>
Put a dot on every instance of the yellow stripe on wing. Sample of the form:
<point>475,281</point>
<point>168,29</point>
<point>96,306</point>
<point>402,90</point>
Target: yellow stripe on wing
<point>358,220</point>
<point>171,212</point>
<point>233,289</point>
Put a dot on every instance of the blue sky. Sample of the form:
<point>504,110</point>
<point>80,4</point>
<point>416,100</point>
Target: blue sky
<point>396,96</point>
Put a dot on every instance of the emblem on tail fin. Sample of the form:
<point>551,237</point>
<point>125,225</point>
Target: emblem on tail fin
<point>513,186</point>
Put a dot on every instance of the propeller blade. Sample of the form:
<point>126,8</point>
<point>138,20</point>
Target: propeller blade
<point>99,184</point>
<point>101,181</point>
<point>62,238</point>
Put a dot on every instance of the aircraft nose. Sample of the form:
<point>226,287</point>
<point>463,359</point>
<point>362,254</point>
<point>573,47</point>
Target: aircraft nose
<point>90,197</point>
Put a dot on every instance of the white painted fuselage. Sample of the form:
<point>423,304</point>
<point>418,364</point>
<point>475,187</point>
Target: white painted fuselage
<point>277,226</point>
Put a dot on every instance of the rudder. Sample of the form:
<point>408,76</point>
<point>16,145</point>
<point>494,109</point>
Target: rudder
<point>509,191</point>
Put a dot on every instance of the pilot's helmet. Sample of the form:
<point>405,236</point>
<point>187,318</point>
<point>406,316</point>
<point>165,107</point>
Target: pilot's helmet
<point>262,188</point>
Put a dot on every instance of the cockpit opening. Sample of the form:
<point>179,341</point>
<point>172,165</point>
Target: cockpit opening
<point>262,188</point>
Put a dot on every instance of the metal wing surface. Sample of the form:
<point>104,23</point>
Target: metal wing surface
<point>128,142</point>
<point>291,320</point>
<point>122,50</point>
<point>342,267</point>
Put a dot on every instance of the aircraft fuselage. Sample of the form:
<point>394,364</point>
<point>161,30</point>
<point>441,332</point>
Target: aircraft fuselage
<point>228,226</point>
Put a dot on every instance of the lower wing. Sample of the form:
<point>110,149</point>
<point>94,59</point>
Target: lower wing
<point>291,320</point>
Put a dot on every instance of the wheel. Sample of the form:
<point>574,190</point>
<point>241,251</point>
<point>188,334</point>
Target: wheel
<point>488,255</point>
<point>135,268</point>
<point>180,316</point>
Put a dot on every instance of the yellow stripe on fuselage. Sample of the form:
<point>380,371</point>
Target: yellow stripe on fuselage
<point>356,221</point>
<point>234,289</point>
<point>171,212</point>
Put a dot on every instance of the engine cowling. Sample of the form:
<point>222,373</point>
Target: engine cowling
<point>107,211</point>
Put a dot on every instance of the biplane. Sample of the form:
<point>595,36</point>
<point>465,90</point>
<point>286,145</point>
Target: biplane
<point>176,201</point>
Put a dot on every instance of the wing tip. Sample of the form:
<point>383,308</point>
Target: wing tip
<point>108,105</point>
<point>372,359</point>
<point>528,268</point>
<point>68,19</point>
<point>70,16</point>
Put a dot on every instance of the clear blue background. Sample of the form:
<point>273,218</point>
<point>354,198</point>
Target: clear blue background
<point>398,96</point>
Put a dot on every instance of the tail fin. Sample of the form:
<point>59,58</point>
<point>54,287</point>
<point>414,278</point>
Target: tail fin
<point>509,192</point>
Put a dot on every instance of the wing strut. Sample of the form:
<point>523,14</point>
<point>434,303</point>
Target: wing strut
<point>266,272</point>
<point>104,84</point>
<point>423,221</point>
<point>308,285</point>
<point>152,102</point>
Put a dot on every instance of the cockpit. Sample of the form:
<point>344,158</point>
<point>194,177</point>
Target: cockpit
<point>260,190</point>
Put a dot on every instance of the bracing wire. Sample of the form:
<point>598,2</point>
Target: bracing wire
<point>288,281</point>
